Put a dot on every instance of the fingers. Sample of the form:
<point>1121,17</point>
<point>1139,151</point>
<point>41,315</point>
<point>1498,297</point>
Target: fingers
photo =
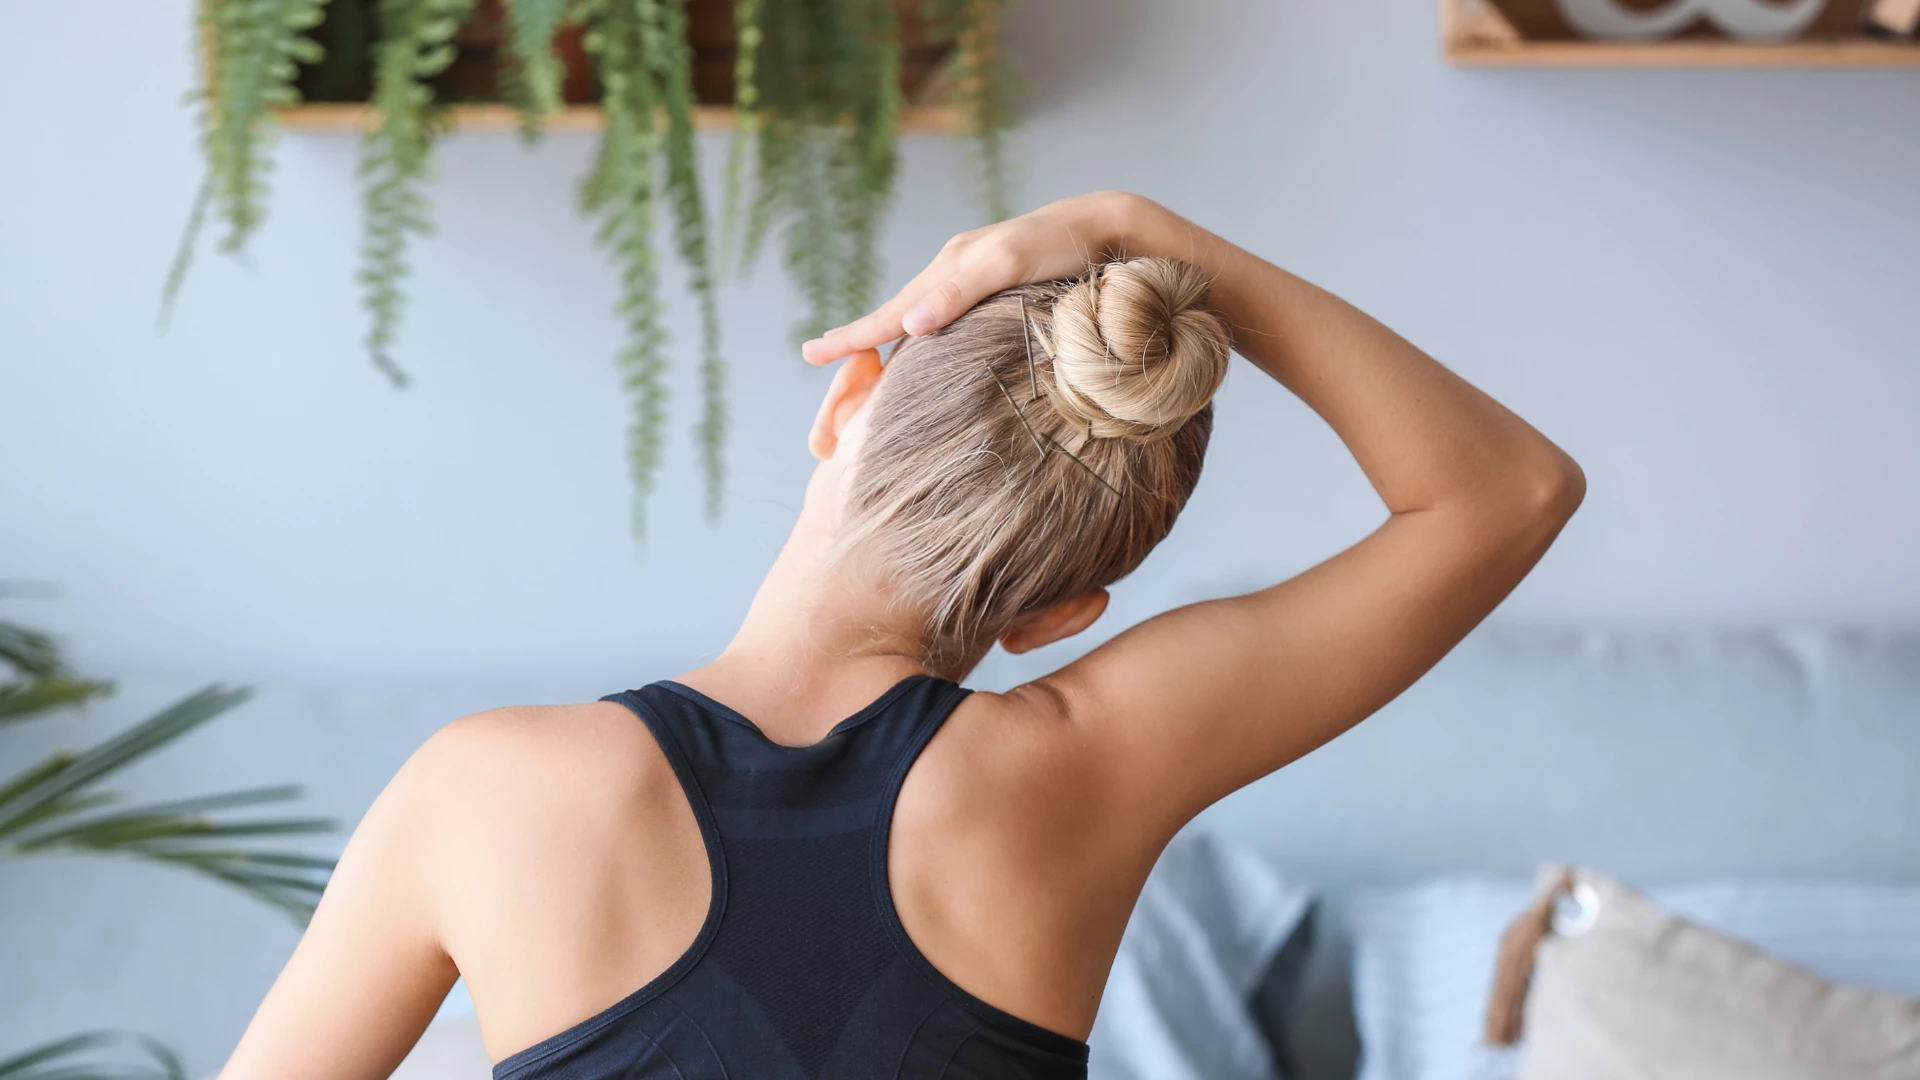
<point>971,267</point>
<point>867,332</point>
<point>873,330</point>
<point>920,308</point>
<point>962,275</point>
<point>938,307</point>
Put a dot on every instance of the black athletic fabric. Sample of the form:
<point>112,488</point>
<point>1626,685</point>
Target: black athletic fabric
<point>802,970</point>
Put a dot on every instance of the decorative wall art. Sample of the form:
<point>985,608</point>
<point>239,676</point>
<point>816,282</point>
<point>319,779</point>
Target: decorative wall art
<point>1647,20</point>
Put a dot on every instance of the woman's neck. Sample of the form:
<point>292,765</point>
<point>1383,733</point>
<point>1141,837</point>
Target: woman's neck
<point>821,640</point>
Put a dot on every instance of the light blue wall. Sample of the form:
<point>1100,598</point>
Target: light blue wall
<point>1700,283</point>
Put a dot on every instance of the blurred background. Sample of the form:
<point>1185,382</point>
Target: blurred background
<point>1700,282</point>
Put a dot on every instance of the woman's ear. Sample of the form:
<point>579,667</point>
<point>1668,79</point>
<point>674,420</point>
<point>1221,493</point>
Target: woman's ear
<point>1051,624</point>
<point>852,385</point>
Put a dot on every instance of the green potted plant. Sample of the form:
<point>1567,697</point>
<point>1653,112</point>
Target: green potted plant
<point>814,91</point>
<point>60,804</point>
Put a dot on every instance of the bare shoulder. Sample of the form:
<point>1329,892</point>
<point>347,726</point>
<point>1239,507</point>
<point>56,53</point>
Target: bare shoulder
<point>1034,715</point>
<point>1039,726</point>
<point>562,859</point>
<point>544,818</point>
<point>499,794</point>
<point>534,742</point>
<point>1025,753</point>
<point>1002,809</point>
<point>1073,726</point>
<point>541,765</point>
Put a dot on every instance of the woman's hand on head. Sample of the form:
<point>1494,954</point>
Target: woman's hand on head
<point>1059,240</point>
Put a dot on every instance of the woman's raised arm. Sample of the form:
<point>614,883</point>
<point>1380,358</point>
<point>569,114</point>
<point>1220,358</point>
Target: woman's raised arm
<point>1197,702</point>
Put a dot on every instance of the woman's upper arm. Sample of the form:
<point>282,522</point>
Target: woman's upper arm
<point>369,973</point>
<point>1207,698</point>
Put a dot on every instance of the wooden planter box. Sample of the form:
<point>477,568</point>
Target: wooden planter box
<point>335,93</point>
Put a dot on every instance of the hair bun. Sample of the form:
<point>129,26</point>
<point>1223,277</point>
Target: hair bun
<point>1136,353</point>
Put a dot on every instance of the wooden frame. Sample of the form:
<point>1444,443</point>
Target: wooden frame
<point>1474,34</point>
<point>358,116</point>
<point>926,109</point>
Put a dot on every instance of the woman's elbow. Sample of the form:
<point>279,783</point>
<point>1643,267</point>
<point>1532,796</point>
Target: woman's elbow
<point>1553,489</point>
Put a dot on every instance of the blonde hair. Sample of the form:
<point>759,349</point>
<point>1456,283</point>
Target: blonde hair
<point>1037,447</point>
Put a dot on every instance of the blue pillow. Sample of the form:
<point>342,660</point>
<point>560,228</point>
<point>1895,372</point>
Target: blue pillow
<point>1213,925</point>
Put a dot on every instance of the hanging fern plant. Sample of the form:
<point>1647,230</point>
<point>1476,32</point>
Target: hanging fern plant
<point>817,90</point>
<point>254,50</point>
<point>826,110</point>
<point>417,46</point>
<point>532,77</point>
<point>982,86</point>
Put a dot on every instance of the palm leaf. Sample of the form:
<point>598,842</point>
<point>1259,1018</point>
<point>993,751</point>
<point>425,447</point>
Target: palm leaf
<point>30,652</point>
<point>54,807</point>
<point>26,699</point>
<point>159,836</point>
<point>116,753</point>
<point>33,775</point>
<point>294,894</point>
<point>78,802</point>
<point>44,685</point>
<point>226,800</point>
<point>176,834</point>
<point>66,1059</point>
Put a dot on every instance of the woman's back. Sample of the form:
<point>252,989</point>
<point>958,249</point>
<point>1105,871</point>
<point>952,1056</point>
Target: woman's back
<point>1026,450</point>
<point>688,894</point>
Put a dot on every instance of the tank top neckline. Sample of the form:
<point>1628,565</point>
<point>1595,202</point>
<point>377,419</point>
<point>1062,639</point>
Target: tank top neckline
<point>684,756</point>
<point>725,712</point>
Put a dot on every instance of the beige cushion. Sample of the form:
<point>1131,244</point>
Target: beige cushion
<point>1640,994</point>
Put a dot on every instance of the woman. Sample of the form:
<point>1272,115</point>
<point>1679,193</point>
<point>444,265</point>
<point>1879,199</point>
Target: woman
<point>720,876</point>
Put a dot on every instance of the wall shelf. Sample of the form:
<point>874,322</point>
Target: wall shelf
<point>1474,34</point>
<point>357,116</point>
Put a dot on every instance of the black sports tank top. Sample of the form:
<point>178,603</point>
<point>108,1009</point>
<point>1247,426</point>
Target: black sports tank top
<point>802,970</point>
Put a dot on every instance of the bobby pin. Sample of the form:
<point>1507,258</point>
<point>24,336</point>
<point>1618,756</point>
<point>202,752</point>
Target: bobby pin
<point>1008,394</point>
<point>1084,465</point>
<point>1026,336</point>
<point>1050,440</point>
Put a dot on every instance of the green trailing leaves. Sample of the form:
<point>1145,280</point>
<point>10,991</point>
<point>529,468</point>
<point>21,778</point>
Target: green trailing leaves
<point>257,47</point>
<point>394,158</point>
<point>620,192</point>
<point>981,84</point>
<point>826,119</point>
<point>532,76</point>
<point>645,66</point>
<point>183,254</point>
<point>253,52</point>
<point>672,59</point>
<point>746,113</point>
<point>812,159</point>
